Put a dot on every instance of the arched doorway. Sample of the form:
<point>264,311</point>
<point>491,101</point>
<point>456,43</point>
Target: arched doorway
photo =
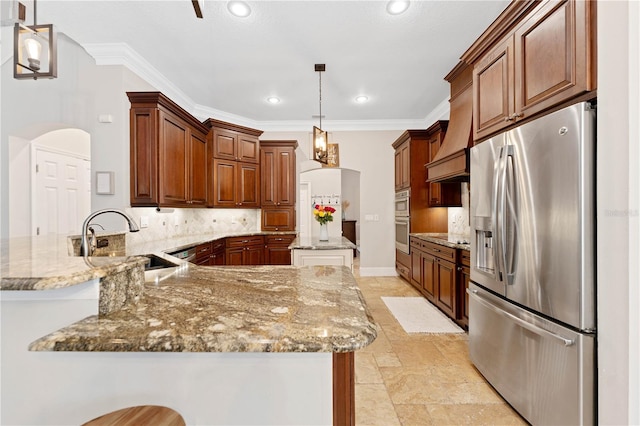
<point>49,183</point>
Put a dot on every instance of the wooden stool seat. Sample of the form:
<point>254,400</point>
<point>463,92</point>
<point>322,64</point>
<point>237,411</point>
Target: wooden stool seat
<point>138,416</point>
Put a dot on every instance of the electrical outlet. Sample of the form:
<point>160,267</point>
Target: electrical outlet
<point>144,221</point>
<point>376,218</point>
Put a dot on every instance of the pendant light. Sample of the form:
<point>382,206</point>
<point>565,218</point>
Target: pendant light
<point>319,135</point>
<point>34,50</point>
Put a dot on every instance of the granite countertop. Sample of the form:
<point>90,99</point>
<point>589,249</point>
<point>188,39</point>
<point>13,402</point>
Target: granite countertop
<point>448,240</point>
<point>309,243</point>
<point>193,308</point>
<point>231,309</point>
<point>44,263</point>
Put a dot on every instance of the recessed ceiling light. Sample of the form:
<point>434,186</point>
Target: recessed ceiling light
<point>273,100</point>
<point>239,9</point>
<point>396,7</point>
<point>362,99</point>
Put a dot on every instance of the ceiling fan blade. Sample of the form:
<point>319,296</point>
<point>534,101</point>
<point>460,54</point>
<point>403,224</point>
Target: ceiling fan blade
<point>196,7</point>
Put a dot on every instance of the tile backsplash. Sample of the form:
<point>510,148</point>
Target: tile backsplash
<point>171,223</point>
<point>459,216</point>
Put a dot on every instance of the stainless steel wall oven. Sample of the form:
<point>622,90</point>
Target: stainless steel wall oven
<point>402,220</point>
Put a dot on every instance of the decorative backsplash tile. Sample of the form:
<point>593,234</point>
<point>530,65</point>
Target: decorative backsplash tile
<point>171,223</point>
<point>459,216</point>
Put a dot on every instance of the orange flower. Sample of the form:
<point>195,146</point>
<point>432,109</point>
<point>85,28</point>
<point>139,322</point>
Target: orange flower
<point>323,214</point>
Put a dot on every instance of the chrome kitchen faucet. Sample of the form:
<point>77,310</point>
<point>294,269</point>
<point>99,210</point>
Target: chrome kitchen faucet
<point>85,248</point>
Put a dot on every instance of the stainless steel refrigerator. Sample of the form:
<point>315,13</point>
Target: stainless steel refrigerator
<point>532,321</point>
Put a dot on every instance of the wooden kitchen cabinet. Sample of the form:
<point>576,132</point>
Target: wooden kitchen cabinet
<point>532,59</point>
<point>277,250</point>
<point>168,146</point>
<point>434,274</point>
<point>234,176</point>
<point>403,265</point>
<point>235,184</point>
<point>445,283</point>
<point>232,142</point>
<point>198,182</point>
<point>402,166</point>
<point>203,254</point>
<point>211,253</point>
<point>247,250</point>
<point>278,185</point>
<point>349,232</point>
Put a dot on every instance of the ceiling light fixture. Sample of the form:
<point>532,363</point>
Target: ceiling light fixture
<point>34,50</point>
<point>396,7</point>
<point>239,9</point>
<point>319,135</point>
<point>273,100</point>
<point>362,99</point>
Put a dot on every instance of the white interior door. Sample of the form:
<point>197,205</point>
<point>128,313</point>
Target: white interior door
<point>62,193</point>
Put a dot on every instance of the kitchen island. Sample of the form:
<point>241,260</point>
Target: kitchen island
<point>307,251</point>
<point>220,345</point>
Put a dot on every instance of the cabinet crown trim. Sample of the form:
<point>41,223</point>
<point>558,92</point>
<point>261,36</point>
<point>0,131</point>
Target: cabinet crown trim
<point>153,99</point>
<point>509,17</point>
<point>287,143</point>
<point>410,134</point>
<point>211,123</point>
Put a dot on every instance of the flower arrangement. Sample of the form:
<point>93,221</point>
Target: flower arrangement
<point>323,214</point>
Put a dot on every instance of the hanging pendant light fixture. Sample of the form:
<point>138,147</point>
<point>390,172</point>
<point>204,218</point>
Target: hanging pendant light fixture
<point>34,50</point>
<point>319,135</point>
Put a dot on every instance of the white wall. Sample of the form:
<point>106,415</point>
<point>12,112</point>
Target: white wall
<point>618,187</point>
<point>81,92</point>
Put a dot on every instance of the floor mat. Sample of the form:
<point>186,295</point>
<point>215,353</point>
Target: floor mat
<point>417,315</point>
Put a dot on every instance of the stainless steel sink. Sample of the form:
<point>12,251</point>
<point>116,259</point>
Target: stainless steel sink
<point>158,268</point>
<point>157,262</point>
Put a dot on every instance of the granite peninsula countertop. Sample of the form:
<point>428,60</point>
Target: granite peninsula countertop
<point>195,308</point>
<point>448,240</point>
<point>309,243</point>
<point>231,309</point>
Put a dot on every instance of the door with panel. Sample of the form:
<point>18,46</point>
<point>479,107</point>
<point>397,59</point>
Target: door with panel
<point>173,145</point>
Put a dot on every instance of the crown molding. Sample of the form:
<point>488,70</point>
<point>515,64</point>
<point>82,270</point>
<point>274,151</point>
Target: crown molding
<point>125,55</point>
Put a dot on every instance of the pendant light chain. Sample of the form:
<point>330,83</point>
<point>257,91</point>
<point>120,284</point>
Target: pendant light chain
<point>320,78</point>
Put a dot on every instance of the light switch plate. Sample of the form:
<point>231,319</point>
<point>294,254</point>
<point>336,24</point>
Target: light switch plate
<point>144,221</point>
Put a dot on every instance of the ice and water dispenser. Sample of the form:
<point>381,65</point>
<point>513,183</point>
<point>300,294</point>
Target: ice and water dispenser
<point>483,260</point>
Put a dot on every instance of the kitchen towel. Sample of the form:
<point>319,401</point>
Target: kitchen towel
<point>417,315</point>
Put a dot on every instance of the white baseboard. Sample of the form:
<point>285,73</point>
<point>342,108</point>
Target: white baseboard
<point>378,272</point>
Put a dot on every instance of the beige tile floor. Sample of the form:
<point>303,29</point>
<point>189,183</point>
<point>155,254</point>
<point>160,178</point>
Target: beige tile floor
<point>419,379</point>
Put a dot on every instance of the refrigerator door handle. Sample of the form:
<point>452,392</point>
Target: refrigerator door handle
<point>500,195</point>
<point>509,213</point>
<point>522,323</point>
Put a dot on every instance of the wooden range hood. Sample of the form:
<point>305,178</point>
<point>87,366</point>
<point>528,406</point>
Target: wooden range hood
<point>451,163</point>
